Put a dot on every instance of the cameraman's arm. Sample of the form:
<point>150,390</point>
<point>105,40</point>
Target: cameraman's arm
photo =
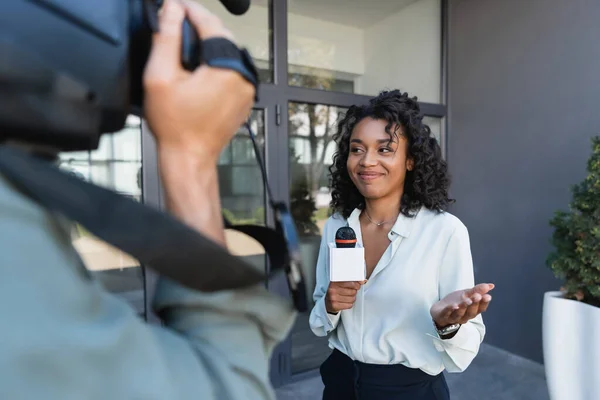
<point>192,192</point>
<point>233,332</point>
<point>193,116</point>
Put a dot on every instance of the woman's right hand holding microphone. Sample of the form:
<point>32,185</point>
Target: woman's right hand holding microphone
<point>341,296</point>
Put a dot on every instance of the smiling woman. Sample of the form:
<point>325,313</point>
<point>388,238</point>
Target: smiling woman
<point>390,185</point>
<point>395,122</point>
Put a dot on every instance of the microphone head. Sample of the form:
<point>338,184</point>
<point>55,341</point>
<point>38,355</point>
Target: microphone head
<point>345,237</point>
<point>236,7</point>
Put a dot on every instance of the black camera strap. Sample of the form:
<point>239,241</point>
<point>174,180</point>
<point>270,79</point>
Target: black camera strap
<point>156,239</point>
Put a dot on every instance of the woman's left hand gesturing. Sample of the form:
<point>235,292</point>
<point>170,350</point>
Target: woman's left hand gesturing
<point>462,305</point>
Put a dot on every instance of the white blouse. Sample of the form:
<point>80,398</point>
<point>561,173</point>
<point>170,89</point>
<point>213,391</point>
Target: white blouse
<point>429,256</point>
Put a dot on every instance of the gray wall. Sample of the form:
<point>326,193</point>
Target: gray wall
<point>523,81</point>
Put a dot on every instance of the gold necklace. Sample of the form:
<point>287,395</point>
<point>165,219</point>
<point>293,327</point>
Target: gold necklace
<point>378,223</point>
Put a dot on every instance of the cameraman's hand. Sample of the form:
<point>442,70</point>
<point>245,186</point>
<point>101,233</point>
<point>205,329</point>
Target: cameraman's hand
<point>193,114</point>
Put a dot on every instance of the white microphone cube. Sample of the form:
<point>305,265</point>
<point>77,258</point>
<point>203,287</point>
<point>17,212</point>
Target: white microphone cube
<point>347,264</point>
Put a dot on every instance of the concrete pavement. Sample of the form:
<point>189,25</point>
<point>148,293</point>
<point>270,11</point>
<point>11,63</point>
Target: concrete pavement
<point>494,375</point>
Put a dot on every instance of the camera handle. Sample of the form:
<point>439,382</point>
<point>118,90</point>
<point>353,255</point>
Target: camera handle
<point>191,47</point>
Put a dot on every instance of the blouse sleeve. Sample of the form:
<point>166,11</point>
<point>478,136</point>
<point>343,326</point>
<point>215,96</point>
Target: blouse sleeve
<point>456,273</point>
<point>321,322</point>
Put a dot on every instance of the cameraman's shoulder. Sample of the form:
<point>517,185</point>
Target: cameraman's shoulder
<point>27,222</point>
<point>14,203</point>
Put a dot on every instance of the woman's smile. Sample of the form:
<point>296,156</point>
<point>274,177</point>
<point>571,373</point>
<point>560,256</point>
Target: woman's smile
<point>369,176</point>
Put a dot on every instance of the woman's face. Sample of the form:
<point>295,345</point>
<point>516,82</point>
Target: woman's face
<point>376,165</point>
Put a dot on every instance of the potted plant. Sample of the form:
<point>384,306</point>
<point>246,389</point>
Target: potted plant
<point>571,316</point>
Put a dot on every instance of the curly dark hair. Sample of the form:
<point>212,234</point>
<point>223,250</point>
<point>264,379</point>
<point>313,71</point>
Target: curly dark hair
<point>428,182</point>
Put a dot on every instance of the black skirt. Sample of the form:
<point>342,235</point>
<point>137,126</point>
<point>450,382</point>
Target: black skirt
<point>345,379</point>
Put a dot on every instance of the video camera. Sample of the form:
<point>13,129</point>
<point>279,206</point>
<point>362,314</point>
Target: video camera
<point>70,71</point>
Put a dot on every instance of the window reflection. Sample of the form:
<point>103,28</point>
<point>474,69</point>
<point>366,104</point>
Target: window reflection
<point>116,164</point>
<point>311,147</point>
<point>366,46</point>
<point>251,30</point>
<point>242,189</point>
<point>311,128</point>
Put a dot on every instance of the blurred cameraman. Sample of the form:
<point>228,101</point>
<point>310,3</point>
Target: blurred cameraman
<point>63,337</point>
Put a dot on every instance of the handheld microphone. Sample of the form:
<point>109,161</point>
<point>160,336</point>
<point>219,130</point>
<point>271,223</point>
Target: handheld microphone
<point>346,257</point>
<point>345,238</point>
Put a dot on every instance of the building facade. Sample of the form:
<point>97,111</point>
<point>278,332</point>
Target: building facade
<point>509,96</point>
<point>522,106</point>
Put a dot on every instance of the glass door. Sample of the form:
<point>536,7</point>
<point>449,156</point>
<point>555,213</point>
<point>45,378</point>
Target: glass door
<point>242,189</point>
<point>311,147</point>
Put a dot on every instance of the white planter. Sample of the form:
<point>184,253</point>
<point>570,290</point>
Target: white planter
<point>571,340</point>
